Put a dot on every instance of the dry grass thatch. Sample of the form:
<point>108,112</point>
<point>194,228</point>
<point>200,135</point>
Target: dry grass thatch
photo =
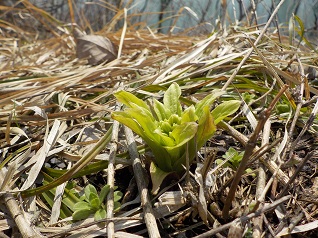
<point>56,135</point>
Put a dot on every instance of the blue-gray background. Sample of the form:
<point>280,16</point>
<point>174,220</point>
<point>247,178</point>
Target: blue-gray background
<point>192,16</point>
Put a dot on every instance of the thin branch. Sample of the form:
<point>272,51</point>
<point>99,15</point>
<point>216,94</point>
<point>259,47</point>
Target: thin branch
<point>111,179</point>
<point>270,165</point>
<point>244,219</point>
<point>251,144</point>
<point>142,179</point>
<point>261,181</point>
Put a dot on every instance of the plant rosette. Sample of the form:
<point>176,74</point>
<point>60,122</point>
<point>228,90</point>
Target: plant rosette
<point>172,133</point>
<point>93,203</point>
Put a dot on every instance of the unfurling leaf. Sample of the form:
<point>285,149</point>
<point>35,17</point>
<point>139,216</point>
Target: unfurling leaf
<point>207,101</point>
<point>130,100</point>
<point>161,111</point>
<point>171,99</point>
<point>206,127</point>
<point>96,49</point>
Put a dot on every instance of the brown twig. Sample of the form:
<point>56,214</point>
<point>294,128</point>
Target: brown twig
<point>248,152</point>
<point>270,165</point>
<point>257,230</point>
<point>244,219</point>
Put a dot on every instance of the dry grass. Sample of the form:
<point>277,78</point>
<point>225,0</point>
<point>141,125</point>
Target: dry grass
<point>55,106</point>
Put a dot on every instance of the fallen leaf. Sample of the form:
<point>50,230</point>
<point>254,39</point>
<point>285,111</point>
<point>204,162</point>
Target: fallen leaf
<point>96,49</point>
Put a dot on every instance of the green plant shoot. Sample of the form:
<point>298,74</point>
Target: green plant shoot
<point>233,158</point>
<point>169,130</point>
<point>93,203</point>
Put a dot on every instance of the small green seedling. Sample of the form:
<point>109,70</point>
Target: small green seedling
<point>248,97</point>
<point>233,158</point>
<point>93,203</point>
<point>171,132</point>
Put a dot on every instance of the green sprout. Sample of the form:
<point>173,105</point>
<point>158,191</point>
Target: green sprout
<point>172,133</point>
<point>248,97</point>
<point>94,203</point>
<point>233,158</point>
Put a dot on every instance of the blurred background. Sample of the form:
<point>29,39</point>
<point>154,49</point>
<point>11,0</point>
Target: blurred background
<point>164,16</point>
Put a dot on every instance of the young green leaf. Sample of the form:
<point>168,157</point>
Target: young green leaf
<point>171,99</point>
<point>117,196</point>
<point>189,149</point>
<point>116,206</point>
<point>157,176</point>
<point>183,133</point>
<point>161,157</point>
<point>88,190</point>
<point>143,118</point>
<point>100,214</point>
<point>82,206</point>
<point>104,192</point>
<point>206,127</point>
<point>225,109</point>
<point>161,111</point>
<point>82,214</point>
<point>125,118</point>
<point>83,197</point>
<point>163,140</point>
<point>165,127</point>
<point>189,115</point>
<point>207,101</point>
<point>230,153</point>
<point>94,201</point>
<point>172,134</point>
<point>130,100</point>
<point>301,29</point>
<point>224,164</point>
<point>233,157</point>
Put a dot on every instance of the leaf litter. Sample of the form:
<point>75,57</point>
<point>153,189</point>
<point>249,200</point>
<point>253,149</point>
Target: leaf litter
<point>56,103</point>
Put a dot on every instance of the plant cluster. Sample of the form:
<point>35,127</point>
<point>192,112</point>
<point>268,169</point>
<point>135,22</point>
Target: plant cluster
<point>173,134</point>
<point>93,203</point>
